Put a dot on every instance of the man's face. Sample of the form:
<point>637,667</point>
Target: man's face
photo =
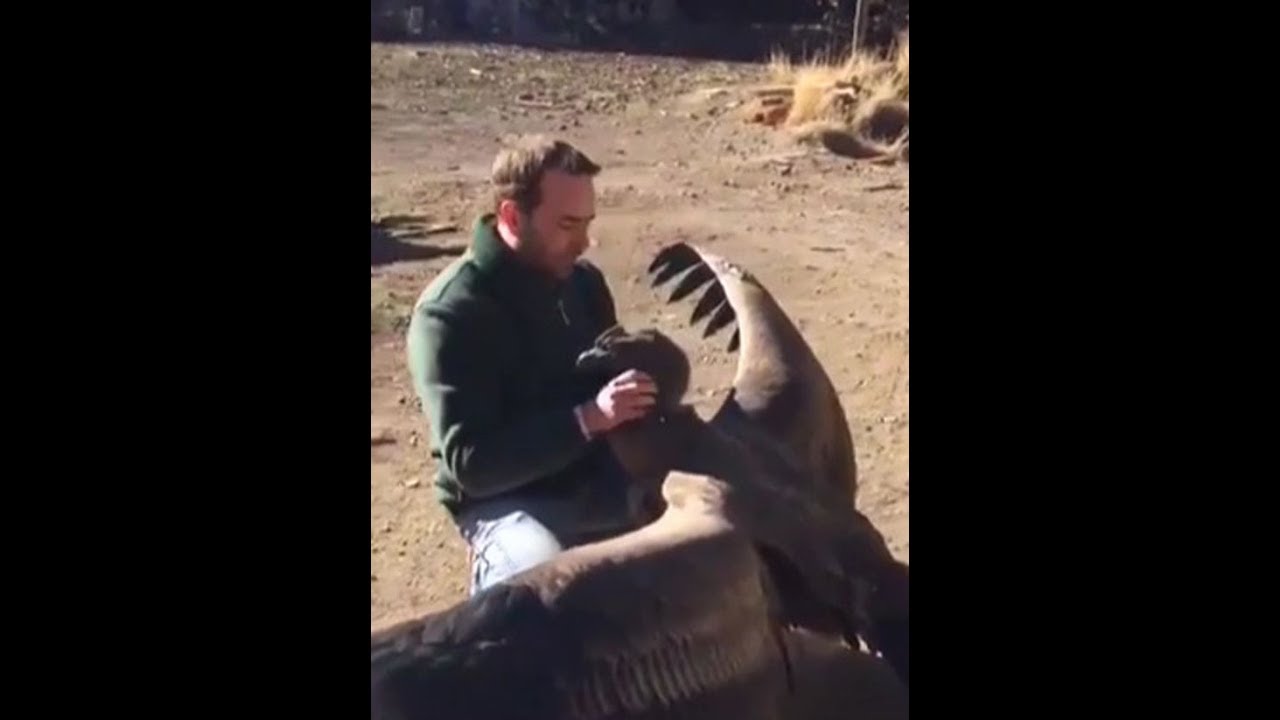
<point>555,234</point>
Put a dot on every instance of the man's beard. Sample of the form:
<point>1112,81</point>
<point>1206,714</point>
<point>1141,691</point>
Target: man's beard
<point>533,252</point>
<point>530,242</point>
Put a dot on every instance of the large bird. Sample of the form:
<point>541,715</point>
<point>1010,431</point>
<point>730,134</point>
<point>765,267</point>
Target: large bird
<point>784,410</point>
<point>694,614</point>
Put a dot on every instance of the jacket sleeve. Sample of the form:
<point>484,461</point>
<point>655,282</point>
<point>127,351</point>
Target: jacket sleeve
<point>452,358</point>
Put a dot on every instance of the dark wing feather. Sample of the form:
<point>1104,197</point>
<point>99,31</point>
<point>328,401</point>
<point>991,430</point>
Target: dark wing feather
<point>711,299</point>
<point>780,388</point>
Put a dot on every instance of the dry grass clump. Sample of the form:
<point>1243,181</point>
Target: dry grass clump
<point>859,106</point>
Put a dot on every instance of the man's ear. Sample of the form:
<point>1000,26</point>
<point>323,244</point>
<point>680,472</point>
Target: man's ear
<point>509,214</point>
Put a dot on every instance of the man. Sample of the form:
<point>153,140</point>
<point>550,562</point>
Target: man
<point>492,344</point>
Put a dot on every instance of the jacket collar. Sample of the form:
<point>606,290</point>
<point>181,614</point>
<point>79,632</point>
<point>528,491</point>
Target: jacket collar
<point>492,257</point>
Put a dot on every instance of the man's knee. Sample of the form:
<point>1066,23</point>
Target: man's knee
<point>506,546</point>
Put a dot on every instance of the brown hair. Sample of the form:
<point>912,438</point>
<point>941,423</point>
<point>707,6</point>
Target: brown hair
<point>518,170</point>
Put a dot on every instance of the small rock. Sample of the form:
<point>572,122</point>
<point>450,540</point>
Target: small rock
<point>525,96</point>
<point>386,528</point>
<point>413,441</point>
<point>563,127</point>
<point>373,578</point>
<point>402,400</point>
<point>786,170</point>
<point>413,482</point>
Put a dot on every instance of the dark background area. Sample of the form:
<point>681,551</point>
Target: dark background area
<point>712,29</point>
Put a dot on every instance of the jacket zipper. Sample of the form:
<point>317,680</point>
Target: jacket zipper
<point>563,315</point>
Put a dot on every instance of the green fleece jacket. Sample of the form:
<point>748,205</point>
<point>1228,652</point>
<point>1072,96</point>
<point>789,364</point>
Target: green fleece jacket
<point>491,348</point>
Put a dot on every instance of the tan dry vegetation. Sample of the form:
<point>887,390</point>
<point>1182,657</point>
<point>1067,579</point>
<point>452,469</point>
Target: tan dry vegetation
<point>859,106</point>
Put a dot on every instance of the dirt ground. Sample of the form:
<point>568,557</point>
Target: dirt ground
<point>826,235</point>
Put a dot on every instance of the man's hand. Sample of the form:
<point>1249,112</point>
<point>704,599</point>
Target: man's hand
<point>627,397</point>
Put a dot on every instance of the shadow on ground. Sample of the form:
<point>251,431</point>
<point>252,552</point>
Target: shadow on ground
<point>390,241</point>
